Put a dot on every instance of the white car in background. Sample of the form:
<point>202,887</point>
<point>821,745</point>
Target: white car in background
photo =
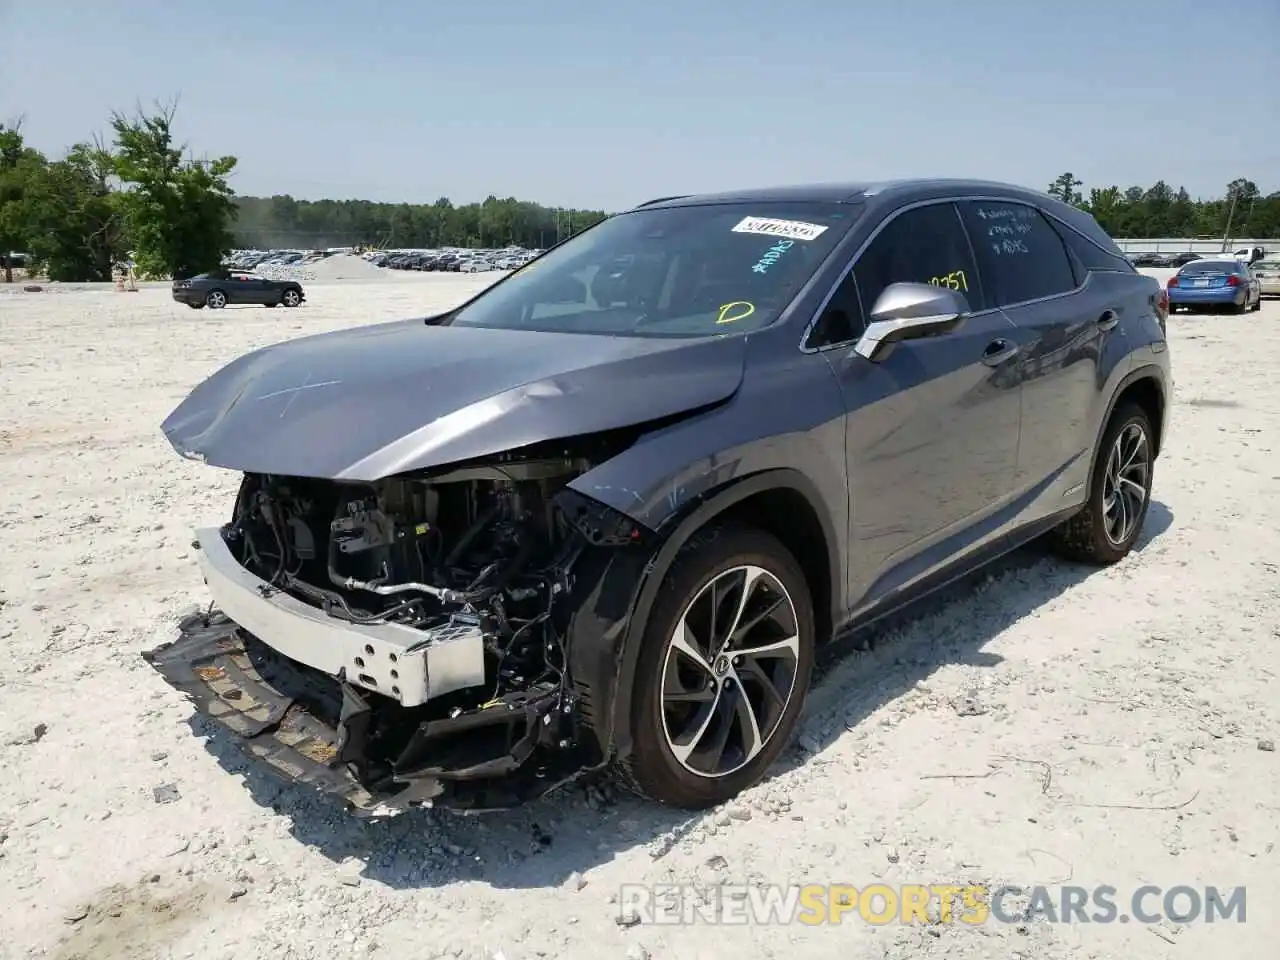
<point>1267,270</point>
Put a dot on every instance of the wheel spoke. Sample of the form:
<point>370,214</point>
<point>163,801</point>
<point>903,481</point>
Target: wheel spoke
<point>1136,489</point>
<point>684,746</point>
<point>775,648</point>
<point>750,576</point>
<point>682,643</point>
<point>748,725</point>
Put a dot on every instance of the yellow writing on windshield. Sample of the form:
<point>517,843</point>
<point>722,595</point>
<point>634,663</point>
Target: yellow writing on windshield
<point>735,311</point>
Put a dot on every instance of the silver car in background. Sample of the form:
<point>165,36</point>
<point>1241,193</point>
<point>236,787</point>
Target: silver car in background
<point>1268,273</point>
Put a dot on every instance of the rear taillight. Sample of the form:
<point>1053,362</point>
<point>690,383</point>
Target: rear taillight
<point>1173,281</point>
<point>1233,281</point>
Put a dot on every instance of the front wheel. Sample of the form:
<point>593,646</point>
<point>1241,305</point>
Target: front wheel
<point>1119,495</point>
<point>723,669</point>
<point>215,300</point>
<point>291,298</point>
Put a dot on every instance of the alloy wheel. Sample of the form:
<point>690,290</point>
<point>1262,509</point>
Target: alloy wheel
<point>291,298</point>
<point>730,671</point>
<point>1124,485</point>
<point>217,299</point>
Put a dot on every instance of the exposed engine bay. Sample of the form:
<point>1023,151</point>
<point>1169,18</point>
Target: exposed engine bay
<point>481,548</point>
<point>476,565</point>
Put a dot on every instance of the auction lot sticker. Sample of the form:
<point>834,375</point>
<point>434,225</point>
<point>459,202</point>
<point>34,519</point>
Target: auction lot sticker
<point>790,229</point>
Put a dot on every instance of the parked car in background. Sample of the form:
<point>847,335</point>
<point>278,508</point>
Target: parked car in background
<point>1250,255</point>
<point>219,288</point>
<point>1267,271</point>
<point>605,511</point>
<point>1222,283</point>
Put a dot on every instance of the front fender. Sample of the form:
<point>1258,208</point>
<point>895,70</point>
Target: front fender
<point>619,586</point>
<point>784,429</point>
<point>784,414</point>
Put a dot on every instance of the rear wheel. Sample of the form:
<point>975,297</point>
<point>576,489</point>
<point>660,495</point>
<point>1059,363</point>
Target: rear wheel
<point>1119,495</point>
<point>215,299</point>
<point>723,669</point>
<point>291,297</point>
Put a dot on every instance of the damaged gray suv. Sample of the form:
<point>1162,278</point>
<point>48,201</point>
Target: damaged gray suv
<point>603,513</point>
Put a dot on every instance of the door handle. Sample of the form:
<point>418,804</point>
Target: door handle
<point>1108,319</point>
<point>998,351</point>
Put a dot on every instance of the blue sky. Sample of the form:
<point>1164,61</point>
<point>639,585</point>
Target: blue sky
<point>592,104</point>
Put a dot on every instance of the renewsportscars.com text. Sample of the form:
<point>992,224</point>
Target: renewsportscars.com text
<point>971,905</point>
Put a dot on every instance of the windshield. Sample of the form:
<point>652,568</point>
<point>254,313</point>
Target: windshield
<point>669,272</point>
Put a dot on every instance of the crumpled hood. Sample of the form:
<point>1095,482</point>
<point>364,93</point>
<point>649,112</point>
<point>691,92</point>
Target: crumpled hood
<point>375,401</point>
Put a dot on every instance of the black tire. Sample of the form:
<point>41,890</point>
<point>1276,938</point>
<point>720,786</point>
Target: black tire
<point>653,769</point>
<point>1257,306</point>
<point>291,297</point>
<point>1087,536</point>
<point>270,305</point>
<point>215,299</point>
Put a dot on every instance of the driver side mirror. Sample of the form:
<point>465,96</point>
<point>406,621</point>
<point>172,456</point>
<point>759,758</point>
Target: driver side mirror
<point>910,311</point>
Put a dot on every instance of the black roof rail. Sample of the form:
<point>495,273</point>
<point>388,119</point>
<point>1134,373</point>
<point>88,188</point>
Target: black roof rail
<point>678,196</point>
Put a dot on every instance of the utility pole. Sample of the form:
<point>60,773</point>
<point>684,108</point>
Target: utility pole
<point>1231,212</point>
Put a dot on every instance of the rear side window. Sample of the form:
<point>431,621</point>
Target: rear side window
<point>1087,256</point>
<point>1020,255</point>
<point>924,245</point>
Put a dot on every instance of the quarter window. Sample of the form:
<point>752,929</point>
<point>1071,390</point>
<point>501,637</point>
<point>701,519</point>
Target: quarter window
<point>924,245</point>
<point>1020,255</point>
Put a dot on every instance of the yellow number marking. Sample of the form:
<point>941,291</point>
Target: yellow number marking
<point>956,280</point>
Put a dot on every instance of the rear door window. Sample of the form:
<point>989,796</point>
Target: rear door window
<point>1020,255</point>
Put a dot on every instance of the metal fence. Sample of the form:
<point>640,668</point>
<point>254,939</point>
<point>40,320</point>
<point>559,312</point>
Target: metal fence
<point>1182,244</point>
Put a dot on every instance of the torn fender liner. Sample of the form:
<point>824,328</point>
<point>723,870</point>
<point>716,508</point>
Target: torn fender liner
<point>307,727</point>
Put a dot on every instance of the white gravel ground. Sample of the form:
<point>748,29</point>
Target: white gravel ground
<point>1051,725</point>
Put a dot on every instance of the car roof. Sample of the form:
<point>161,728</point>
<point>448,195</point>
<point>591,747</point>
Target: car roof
<point>851,192</point>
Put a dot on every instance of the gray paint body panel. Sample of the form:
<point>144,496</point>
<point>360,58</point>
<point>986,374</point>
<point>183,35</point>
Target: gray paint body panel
<point>375,401</point>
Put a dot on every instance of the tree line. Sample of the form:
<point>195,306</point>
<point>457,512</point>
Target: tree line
<point>140,197</point>
<point>281,222</point>
<point>1165,211</point>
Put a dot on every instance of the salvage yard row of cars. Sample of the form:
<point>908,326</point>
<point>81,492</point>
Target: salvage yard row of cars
<point>602,515</point>
<point>454,260</point>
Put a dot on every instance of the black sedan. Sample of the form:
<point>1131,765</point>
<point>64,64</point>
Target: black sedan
<point>219,288</point>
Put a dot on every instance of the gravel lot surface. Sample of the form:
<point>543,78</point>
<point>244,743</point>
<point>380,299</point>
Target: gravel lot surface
<point>1048,724</point>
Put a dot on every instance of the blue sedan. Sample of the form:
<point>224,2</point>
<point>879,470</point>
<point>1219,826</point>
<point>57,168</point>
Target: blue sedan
<point>1227,284</point>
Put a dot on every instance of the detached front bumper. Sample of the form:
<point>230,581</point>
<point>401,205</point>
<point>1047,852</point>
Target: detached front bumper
<point>408,665</point>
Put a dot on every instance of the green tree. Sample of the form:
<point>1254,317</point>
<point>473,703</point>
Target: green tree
<point>19,164</point>
<point>1064,188</point>
<point>178,211</point>
<point>77,218</point>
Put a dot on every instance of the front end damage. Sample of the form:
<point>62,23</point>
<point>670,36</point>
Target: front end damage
<point>436,639</point>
